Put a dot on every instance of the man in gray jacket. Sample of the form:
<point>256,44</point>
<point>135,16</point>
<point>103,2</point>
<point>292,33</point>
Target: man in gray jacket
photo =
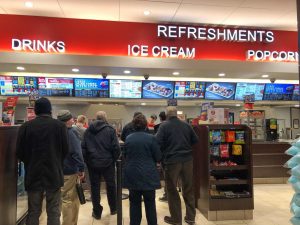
<point>176,139</point>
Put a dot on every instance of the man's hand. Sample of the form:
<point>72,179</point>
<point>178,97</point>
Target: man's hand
<point>81,175</point>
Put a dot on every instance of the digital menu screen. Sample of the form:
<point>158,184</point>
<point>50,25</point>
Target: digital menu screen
<point>219,91</point>
<point>55,86</point>
<point>243,89</point>
<point>296,93</point>
<point>278,92</point>
<point>86,87</point>
<point>125,88</point>
<point>158,89</point>
<point>189,89</point>
<point>14,85</point>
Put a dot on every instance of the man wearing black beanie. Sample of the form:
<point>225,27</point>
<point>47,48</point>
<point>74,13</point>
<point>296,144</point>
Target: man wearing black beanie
<point>42,145</point>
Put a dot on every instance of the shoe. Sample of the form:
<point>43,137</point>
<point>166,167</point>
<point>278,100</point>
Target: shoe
<point>97,217</point>
<point>163,198</point>
<point>113,212</point>
<point>169,220</point>
<point>189,222</point>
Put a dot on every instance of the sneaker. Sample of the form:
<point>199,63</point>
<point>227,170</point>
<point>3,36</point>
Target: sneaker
<point>169,220</point>
<point>163,198</point>
<point>188,221</point>
<point>97,217</point>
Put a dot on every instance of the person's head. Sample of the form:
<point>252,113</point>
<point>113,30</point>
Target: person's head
<point>171,111</point>
<point>162,116</point>
<point>42,106</point>
<point>66,117</point>
<point>136,113</point>
<point>101,115</point>
<point>153,118</point>
<point>139,122</point>
<point>82,119</point>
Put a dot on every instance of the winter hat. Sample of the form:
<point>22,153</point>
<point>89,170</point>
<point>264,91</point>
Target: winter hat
<point>42,106</point>
<point>64,115</point>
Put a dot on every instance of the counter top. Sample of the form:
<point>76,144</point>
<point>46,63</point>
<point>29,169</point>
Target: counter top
<point>281,141</point>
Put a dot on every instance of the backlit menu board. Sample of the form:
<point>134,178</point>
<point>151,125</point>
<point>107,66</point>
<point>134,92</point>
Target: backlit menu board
<point>158,89</point>
<point>88,87</point>
<point>125,88</point>
<point>189,89</point>
<point>243,89</point>
<point>278,92</point>
<point>55,86</point>
<point>14,85</point>
<point>219,91</point>
<point>296,93</point>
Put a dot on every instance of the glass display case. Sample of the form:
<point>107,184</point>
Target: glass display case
<point>255,119</point>
<point>22,204</point>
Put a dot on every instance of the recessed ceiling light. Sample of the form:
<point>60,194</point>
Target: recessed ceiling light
<point>116,104</point>
<point>29,4</point>
<point>143,103</point>
<point>176,73</point>
<point>296,105</point>
<point>238,105</point>
<point>75,70</point>
<point>127,71</point>
<point>20,68</point>
<point>265,75</point>
<point>100,103</point>
<point>179,112</point>
<point>147,12</point>
<point>222,75</point>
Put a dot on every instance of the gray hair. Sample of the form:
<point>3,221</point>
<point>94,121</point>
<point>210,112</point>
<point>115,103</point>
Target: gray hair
<point>171,111</point>
<point>101,115</point>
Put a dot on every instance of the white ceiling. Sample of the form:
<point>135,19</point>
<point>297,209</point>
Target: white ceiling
<point>272,14</point>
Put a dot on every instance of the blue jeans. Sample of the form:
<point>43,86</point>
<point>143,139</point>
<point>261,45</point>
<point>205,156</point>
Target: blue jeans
<point>135,198</point>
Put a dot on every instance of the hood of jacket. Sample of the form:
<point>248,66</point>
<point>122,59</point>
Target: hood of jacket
<point>98,125</point>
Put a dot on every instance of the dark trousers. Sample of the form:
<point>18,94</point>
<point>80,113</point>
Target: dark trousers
<point>53,207</point>
<point>184,171</point>
<point>108,174</point>
<point>135,198</point>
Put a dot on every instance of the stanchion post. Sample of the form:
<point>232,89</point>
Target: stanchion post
<point>119,192</point>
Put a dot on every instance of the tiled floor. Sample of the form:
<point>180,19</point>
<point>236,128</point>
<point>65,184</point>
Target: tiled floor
<point>271,208</point>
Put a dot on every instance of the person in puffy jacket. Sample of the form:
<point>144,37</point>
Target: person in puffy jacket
<point>141,176</point>
<point>100,148</point>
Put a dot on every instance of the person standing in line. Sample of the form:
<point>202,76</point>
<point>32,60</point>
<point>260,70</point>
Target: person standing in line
<point>73,170</point>
<point>176,139</point>
<point>80,126</point>
<point>128,129</point>
<point>162,117</point>
<point>101,149</point>
<point>42,145</point>
<point>141,176</point>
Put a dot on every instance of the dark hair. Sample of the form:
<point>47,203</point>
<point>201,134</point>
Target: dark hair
<point>139,122</point>
<point>136,113</point>
<point>162,115</point>
<point>153,116</point>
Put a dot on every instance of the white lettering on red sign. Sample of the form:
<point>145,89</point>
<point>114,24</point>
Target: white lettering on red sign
<point>38,45</point>
<point>264,55</point>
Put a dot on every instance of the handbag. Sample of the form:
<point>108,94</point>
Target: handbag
<point>80,192</point>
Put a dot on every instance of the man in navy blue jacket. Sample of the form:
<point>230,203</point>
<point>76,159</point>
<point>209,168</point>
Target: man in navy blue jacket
<point>73,170</point>
<point>101,149</point>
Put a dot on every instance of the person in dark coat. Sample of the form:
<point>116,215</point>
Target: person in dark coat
<point>176,139</point>
<point>101,149</point>
<point>73,170</point>
<point>42,145</point>
<point>128,129</point>
<point>141,176</point>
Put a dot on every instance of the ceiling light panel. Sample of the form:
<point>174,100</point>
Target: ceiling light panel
<point>91,9</point>
<point>40,8</point>
<point>160,10</point>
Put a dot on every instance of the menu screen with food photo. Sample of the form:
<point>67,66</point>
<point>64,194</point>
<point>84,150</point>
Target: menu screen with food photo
<point>15,85</point>
<point>279,92</point>
<point>243,89</point>
<point>296,94</point>
<point>89,87</point>
<point>55,86</point>
<point>189,89</point>
<point>219,91</point>
<point>158,89</point>
<point>125,88</point>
